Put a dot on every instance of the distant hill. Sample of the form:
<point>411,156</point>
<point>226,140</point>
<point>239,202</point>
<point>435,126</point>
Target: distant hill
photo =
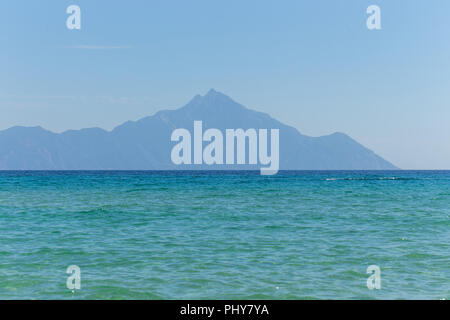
<point>145,144</point>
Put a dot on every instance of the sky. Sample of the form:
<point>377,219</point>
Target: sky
<point>310,64</point>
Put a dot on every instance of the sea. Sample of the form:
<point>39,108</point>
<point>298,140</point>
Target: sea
<point>224,235</point>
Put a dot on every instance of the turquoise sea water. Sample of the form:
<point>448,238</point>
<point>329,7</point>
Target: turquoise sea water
<point>222,235</point>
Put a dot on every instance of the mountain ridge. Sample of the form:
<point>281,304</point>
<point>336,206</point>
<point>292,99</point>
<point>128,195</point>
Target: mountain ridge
<point>145,144</point>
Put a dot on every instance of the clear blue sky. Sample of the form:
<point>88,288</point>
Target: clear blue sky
<point>311,64</point>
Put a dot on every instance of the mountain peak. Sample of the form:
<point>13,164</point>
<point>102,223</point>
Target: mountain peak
<point>212,99</point>
<point>212,93</point>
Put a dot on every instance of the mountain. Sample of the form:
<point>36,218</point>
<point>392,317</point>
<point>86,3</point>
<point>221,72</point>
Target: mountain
<point>146,145</point>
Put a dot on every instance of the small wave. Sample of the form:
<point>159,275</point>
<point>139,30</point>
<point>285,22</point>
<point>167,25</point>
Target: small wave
<point>369,178</point>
